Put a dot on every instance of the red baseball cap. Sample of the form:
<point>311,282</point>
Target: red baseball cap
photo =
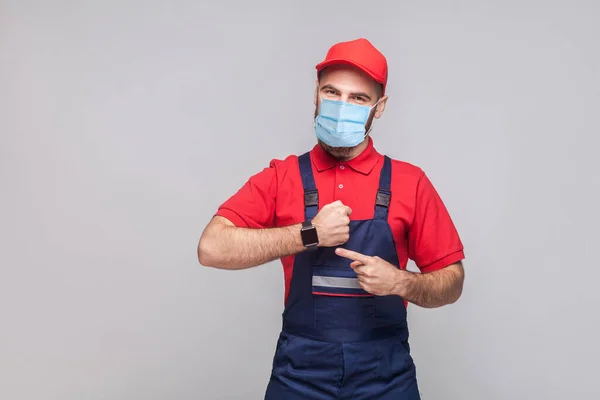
<point>361,54</point>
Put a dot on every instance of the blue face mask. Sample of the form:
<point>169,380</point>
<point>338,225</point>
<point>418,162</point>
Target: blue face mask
<point>341,124</point>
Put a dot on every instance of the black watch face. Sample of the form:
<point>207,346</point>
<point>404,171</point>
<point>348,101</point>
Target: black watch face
<point>309,236</point>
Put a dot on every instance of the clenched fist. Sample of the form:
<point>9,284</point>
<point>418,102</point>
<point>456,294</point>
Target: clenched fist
<point>332,223</point>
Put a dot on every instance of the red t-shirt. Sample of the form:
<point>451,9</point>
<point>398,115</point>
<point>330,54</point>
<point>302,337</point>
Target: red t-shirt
<point>421,225</point>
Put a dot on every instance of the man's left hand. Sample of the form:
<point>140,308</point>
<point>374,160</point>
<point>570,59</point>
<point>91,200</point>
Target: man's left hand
<point>375,275</point>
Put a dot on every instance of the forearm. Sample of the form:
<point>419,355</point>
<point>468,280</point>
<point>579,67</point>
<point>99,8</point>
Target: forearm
<point>434,289</point>
<point>229,247</point>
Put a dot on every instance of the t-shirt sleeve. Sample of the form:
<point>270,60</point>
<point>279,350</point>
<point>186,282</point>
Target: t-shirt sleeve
<point>433,241</point>
<point>253,205</point>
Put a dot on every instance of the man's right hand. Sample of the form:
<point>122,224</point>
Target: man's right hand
<point>332,223</point>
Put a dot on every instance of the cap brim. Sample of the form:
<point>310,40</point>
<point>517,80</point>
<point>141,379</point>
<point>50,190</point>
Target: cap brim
<point>343,61</point>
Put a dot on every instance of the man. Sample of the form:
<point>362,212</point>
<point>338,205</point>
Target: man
<point>344,220</point>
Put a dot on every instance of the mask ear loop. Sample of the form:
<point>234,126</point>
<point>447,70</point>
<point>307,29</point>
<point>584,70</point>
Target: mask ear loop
<point>318,111</point>
<point>373,120</point>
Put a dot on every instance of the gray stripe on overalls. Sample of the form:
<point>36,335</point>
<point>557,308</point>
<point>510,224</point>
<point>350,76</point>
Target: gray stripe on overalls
<point>329,281</point>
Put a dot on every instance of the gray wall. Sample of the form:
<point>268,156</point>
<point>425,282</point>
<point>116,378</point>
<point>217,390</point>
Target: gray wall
<point>123,125</point>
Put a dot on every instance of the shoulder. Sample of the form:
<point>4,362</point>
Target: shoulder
<point>284,168</point>
<point>284,164</point>
<point>406,173</point>
<point>288,161</point>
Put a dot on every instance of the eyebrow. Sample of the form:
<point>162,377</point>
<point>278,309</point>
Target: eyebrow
<point>329,86</point>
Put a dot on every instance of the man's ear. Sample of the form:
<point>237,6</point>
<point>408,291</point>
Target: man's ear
<point>380,107</point>
<point>316,92</point>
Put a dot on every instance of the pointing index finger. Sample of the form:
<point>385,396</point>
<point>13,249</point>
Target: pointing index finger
<point>352,255</point>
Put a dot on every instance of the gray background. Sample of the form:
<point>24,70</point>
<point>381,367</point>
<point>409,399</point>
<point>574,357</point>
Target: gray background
<point>125,124</point>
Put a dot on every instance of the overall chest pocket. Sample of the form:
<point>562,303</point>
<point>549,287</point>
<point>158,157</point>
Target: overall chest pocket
<point>332,275</point>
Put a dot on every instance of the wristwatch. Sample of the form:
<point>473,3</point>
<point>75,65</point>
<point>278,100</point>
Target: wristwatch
<point>309,235</point>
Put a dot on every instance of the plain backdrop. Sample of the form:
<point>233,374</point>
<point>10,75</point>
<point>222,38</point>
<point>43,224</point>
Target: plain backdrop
<point>124,124</point>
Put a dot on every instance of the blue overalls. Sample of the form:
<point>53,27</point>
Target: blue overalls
<point>338,341</point>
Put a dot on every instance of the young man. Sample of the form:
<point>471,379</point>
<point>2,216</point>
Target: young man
<point>344,220</point>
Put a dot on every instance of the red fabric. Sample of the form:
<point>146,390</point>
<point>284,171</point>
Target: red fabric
<point>422,227</point>
<point>361,54</point>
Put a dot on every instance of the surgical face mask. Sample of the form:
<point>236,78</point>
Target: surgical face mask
<point>341,124</point>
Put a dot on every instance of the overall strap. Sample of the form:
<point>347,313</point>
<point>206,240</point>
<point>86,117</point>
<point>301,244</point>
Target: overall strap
<point>311,195</point>
<point>382,201</point>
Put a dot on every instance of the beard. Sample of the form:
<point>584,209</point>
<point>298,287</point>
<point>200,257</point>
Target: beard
<point>343,153</point>
<point>339,153</point>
